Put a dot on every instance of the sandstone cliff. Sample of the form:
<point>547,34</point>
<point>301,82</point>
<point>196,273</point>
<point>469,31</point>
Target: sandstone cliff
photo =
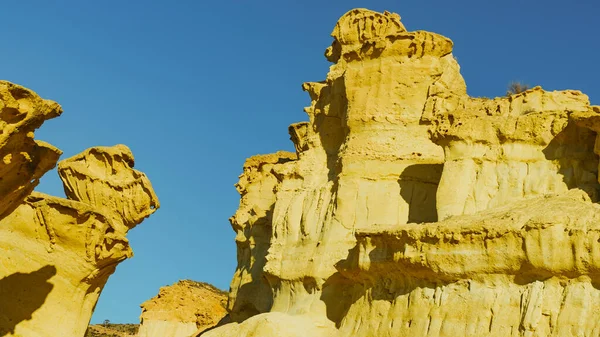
<point>56,254</point>
<point>412,209</point>
<point>182,309</point>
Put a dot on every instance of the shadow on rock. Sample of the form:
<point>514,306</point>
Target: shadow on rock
<point>418,188</point>
<point>21,294</point>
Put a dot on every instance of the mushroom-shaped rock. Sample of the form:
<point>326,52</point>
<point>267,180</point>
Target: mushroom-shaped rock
<point>82,239</point>
<point>56,254</point>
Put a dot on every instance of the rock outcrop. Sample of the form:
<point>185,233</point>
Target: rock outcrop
<point>56,254</point>
<point>182,309</point>
<point>412,209</point>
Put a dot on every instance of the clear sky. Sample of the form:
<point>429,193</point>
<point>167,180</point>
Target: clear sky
<point>194,87</point>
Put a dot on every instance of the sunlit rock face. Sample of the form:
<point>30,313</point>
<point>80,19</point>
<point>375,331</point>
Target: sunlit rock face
<point>412,209</point>
<point>56,254</point>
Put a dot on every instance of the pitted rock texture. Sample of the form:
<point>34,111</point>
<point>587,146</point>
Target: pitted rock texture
<point>56,254</point>
<point>182,309</point>
<point>412,209</point>
<point>24,160</point>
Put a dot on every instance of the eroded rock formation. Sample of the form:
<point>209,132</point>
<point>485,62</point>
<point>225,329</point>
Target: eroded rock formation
<point>412,209</point>
<point>182,309</point>
<point>56,254</point>
<point>24,159</point>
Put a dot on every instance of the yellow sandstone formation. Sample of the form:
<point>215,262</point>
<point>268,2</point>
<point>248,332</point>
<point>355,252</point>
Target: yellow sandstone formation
<point>24,159</point>
<point>412,209</point>
<point>182,309</point>
<point>56,254</point>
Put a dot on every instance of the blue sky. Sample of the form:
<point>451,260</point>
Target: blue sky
<point>196,87</point>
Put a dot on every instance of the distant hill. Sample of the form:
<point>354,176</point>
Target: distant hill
<point>112,330</point>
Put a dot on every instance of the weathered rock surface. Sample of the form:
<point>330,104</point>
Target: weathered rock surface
<point>529,268</point>
<point>56,254</point>
<point>252,222</point>
<point>525,141</point>
<point>182,309</point>
<point>24,159</point>
<point>412,209</point>
<point>102,177</point>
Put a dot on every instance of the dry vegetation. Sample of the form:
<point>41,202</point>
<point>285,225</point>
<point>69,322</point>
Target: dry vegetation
<point>516,88</point>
